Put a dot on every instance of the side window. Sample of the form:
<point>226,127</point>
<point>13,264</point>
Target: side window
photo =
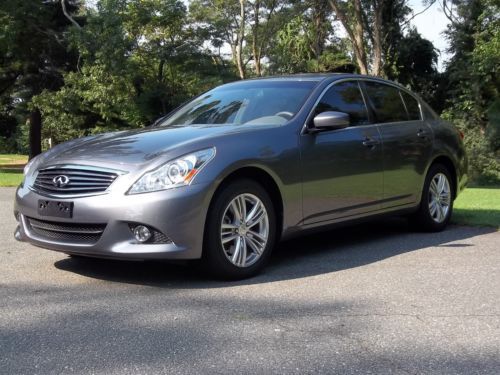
<point>411,106</point>
<point>345,97</point>
<point>429,114</point>
<point>386,101</point>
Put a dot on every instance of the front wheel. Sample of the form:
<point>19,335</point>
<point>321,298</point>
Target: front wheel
<point>240,230</point>
<point>436,204</point>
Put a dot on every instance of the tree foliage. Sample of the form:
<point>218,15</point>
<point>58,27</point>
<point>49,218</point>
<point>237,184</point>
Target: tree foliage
<point>475,106</point>
<point>33,56</point>
<point>307,43</point>
<point>137,60</point>
<point>118,64</point>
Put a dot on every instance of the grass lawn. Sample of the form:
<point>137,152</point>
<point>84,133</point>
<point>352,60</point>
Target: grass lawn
<point>478,206</point>
<point>10,178</point>
<point>12,159</point>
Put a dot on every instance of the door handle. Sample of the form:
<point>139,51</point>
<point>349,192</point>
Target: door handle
<point>422,133</point>
<point>370,142</point>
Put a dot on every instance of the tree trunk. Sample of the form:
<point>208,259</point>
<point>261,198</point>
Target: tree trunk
<point>161,65</point>
<point>68,16</point>
<point>355,33</point>
<point>35,136</point>
<point>233,52</point>
<point>360,38</point>
<point>255,36</point>
<point>241,36</point>
<point>377,40</point>
<point>319,37</point>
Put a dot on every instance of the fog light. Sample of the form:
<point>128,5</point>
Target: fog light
<point>142,233</point>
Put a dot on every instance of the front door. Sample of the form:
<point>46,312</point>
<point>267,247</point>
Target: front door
<point>342,169</point>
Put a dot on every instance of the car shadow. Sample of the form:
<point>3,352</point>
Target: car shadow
<point>310,255</point>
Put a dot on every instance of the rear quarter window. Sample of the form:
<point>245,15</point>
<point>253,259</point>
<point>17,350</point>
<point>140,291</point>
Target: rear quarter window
<point>412,106</point>
<point>386,102</point>
<point>428,113</point>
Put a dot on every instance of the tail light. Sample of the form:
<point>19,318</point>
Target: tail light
<point>461,134</point>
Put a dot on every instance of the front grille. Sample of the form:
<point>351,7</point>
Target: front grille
<point>75,180</point>
<point>87,234</point>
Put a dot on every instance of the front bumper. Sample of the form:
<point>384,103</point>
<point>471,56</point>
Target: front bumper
<point>177,213</point>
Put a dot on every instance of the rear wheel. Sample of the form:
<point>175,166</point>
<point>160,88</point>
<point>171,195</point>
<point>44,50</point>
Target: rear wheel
<point>436,204</point>
<point>240,231</point>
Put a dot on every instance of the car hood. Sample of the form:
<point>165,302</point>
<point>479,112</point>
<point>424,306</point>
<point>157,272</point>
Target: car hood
<point>136,146</point>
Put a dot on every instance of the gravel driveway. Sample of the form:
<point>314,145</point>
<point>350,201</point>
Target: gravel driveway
<point>370,298</point>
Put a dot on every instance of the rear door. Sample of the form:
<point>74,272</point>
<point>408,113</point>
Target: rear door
<point>342,169</point>
<point>407,142</point>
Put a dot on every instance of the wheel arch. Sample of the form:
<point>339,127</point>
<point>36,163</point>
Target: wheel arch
<point>265,179</point>
<point>450,165</point>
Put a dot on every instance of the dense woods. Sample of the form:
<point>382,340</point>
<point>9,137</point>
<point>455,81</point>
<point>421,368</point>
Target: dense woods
<point>69,68</point>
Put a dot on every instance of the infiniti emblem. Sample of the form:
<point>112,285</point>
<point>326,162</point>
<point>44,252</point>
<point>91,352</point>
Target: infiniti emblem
<point>60,181</point>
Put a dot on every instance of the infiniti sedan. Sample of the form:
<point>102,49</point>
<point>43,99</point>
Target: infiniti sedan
<point>240,167</point>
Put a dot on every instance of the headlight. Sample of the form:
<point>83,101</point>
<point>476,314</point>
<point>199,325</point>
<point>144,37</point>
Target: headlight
<point>175,173</point>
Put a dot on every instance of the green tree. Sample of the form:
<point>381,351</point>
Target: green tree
<point>138,59</point>
<point>33,56</point>
<point>224,22</point>
<point>407,57</point>
<point>414,64</point>
<point>307,42</point>
<point>362,21</point>
<point>474,42</point>
<point>245,26</point>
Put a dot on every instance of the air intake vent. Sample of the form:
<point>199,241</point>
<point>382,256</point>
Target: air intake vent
<point>87,234</point>
<point>72,180</point>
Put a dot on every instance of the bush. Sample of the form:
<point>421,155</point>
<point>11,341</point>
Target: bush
<point>484,163</point>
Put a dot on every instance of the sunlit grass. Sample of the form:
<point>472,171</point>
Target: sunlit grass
<point>478,206</point>
<point>10,178</point>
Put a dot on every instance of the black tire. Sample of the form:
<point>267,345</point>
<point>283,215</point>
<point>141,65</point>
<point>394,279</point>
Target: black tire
<point>423,219</point>
<point>215,259</point>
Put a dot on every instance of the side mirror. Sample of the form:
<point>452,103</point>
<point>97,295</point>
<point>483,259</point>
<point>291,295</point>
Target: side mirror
<point>331,120</point>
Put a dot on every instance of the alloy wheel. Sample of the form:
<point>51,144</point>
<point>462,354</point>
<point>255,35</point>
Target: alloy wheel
<point>439,197</point>
<point>244,230</point>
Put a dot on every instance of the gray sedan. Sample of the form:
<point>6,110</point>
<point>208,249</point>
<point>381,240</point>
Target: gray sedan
<point>227,175</point>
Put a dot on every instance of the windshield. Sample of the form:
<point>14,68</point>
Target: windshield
<point>251,102</point>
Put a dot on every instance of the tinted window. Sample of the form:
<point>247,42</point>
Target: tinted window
<point>387,102</point>
<point>429,114</point>
<point>411,106</point>
<point>345,97</point>
<point>255,102</point>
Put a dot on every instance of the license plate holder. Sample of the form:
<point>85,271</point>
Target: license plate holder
<point>55,208</point>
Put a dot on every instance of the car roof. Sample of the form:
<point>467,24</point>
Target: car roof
<point>320,77</point>
<point>306,77</point>
<point>316,77</point>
